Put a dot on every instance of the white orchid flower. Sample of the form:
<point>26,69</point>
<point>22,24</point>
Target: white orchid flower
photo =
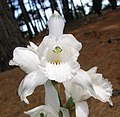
<point>101,86</point>
<point>42,111</point>
<point>52,105</point>
<point>54,59</point>
<point>46,111</point>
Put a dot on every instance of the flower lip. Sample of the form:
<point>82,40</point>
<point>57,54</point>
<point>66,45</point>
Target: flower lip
<point>57,49</point>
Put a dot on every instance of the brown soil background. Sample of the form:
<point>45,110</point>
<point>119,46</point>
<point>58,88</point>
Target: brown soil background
<point>100,37</point>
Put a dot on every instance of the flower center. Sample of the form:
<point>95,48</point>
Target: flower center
<point>56,56</point>
<point>57,49</point>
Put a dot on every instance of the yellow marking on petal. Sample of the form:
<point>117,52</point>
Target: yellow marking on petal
<point>56,62</point>
<point>57,49</point>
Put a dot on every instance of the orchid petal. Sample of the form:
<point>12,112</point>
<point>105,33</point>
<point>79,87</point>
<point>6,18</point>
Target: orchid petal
<point>72,90</point>
<point>75,54</point>
<point>68,86</point>
<point>82,109</point>
<point>71,41</point>
<point>29,83</point>
<point>59,72</point>
<point>51,96</point>
<point>26,59</point>
<point>65,112</point>
<point>56,25</point>
<point>67,95</point>
<point>46,110</point>
<point>32,47</point>
<point>47,41</point>
<point>84,80</point>
<point>75,91</point>
<point>102,87</point>
<point>33,112</point>
<point>93,70</point>
<point>69,52</point>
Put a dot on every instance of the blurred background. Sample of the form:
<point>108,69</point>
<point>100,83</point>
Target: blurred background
<point>32,15</point>
<point>95,23</point>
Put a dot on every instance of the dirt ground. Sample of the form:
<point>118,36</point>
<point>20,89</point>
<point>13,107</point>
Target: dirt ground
<point>100,37</point>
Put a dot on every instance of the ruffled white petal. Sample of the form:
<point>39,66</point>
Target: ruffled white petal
<point>65,112</point>
<point>45,110</point>
<point>93,70</point>
<point>102,87</point>
<point>29,83</point>
<point>84,80</point>
<point>56,25</point>
<point>81,109</point>
<point>51,96</point>
<point>26,59</point>
<point>59,72</point>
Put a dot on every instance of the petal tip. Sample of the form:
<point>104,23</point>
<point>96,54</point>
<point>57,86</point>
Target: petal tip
<point>26,101</point>
<point>12,63</point>
<point>56,12</point>
<point>110,102</point>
